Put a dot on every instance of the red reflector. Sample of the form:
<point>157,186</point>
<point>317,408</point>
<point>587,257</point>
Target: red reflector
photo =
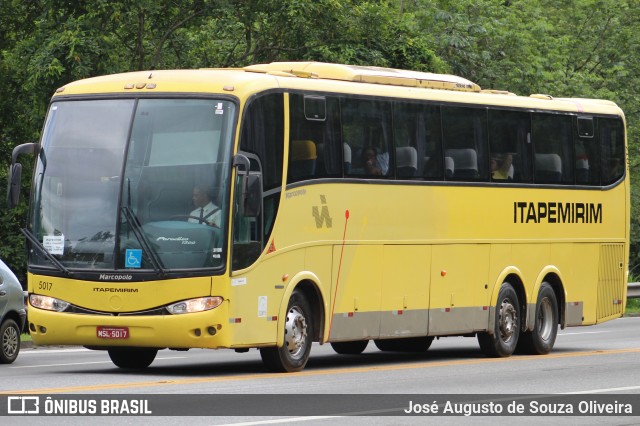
<point>350,314</point>
<point>447,309</point>
<point>485,308</point>
<point>399,312</point>
<point>274,318</point>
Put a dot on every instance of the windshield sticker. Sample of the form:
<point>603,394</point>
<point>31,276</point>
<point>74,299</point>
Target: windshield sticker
<point>219,109</point>
<point>216,253</point>
<point>238,281</point>
<point>54,244</point>
<point>133,258</point>
<point>262,306</point>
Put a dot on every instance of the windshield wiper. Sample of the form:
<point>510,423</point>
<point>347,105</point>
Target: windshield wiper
<point>143,240</point>
<point>33,240</point>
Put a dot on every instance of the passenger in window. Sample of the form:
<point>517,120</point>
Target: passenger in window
<point>205,212</point>
<point>501,167</point>
<point>375,164</point>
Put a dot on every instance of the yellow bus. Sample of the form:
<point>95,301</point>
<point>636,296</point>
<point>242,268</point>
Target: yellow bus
<point>288,203</point>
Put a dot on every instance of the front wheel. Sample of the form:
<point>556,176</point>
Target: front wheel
<point>541,339</point>
<point>298,327</point>
<point>132,358</point>
<point>10,335</point>
<point>506,330</point>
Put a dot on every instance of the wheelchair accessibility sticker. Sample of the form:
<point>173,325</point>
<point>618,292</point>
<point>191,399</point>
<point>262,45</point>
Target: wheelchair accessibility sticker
<point>133,258</point>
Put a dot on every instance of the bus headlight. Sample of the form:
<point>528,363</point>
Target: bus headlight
<point>48,303</point>
<point>195,305</point>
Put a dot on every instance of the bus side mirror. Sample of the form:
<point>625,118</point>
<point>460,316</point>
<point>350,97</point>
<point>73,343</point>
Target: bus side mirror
<point>249,188</point>
<point>253,195</point>
<point>13,187</point>
<point>15,172</point>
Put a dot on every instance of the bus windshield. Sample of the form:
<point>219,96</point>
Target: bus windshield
<point>125,184</point>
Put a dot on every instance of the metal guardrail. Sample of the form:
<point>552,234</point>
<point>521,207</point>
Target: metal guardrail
<point>633,291</point>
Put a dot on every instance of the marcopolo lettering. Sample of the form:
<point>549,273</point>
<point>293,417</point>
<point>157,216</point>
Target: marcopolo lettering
<point>115,277</point>
<point>554,212</point>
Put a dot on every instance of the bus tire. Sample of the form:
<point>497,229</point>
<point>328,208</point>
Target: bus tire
<point>9,341</point>
<point>134,358</point>
<point>541,339</point>
<point>408,344</point>
<point>506,330</point>
<point>350,348</point>
<point>298,327</point>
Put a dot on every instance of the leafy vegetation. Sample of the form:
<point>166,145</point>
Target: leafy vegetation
<point>580,48</point>
<point>633,307</point>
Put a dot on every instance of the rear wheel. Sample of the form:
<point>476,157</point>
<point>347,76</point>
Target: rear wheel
<point>10,341</point>
<point>294,354</point>
<point>541,339</point>
<point>135,358</point>
<point>506,330</point>
<point>409,344</point>
<point>350,348</point>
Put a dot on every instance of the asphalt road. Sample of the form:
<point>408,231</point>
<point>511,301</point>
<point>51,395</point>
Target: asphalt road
<point>596,362</point>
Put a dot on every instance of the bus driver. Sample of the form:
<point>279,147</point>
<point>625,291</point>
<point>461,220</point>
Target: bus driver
<point>205,212</point>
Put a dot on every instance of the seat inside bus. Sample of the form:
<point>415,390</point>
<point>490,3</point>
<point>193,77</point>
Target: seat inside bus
<point>406,161</point>
<point>548,168</point>
<point>429,172</point>
<point>302,161</point>
<point>346,149</point>
<point>465,161</point>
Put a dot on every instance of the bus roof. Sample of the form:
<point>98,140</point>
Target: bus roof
<point>326,77</point>
<point>364,74</point>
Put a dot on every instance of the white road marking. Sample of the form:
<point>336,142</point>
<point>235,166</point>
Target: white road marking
<point>582,332</point>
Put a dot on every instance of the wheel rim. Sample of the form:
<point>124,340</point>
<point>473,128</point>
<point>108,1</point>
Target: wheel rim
<point>545,319</point>
<point>10,342</point>
<point>508,320</point>
<point>295,332</point>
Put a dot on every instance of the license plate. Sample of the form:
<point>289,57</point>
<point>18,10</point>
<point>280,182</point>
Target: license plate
<point>112,332</point>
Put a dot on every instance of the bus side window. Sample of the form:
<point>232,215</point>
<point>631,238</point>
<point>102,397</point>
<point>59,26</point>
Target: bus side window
<point>314,149</point>
<point>416,133</point>
<point>464,132</point>
<point>553,145</point>
<point>509,142</point>
<point>587,151</point>
<point>366,128</point>
<point>612,141</point>
<point>262,140</point>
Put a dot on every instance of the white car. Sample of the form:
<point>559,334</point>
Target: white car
<point>12,314</point>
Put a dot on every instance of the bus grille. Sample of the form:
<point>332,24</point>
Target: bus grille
<point>610,282</point>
